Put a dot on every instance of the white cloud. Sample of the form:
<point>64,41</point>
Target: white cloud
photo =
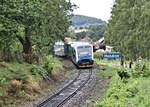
<point>95,8</point>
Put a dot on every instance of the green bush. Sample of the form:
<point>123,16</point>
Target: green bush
<point>3,81</point>
<point>53,65</point>
<point>119,94</point>
<point>49,64</point>
<point>50,67</point>
<point>107,72</point>
<point>34,70</point>
<point>12,74</point>
<point>133,93</point>
<point>98,55</point>
<point>38,70</point>
<point>141,69</point>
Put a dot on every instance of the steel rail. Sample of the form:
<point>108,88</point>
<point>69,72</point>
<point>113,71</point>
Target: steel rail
<point>75,92</point>
<point>64,88</point>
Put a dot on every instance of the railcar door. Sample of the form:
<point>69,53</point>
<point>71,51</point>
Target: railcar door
<point>74,55</point>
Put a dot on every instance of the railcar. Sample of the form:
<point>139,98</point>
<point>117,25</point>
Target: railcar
<point>81,53</point>
<point>59,49</point>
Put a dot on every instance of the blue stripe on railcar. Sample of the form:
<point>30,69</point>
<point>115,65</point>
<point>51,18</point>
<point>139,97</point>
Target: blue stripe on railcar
<point>85,57</point>
<point>85,60</point>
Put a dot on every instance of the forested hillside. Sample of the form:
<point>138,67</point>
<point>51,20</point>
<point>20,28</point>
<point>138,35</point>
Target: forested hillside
<point>94,32</point>
<point>93,28</point>
<point>80,20</point>
<point>128,29</point>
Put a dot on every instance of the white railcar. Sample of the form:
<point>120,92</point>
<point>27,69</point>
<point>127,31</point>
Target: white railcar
<point>59,49</point>
<point>82,54</point>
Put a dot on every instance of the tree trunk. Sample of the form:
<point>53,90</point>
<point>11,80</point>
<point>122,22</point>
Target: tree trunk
<point>7,54</point>
<point>27,46</point>
<point>122,62</point>
<point>130,64</point>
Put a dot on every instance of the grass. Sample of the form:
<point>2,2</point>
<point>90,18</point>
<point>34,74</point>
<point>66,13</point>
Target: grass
<point>128,92</point>
<point>14,79</point>
<point>22,82</point>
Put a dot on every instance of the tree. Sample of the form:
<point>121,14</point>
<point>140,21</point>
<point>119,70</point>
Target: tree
<point>34,22</point>
<point>96,31</point>
<point>128,30</point>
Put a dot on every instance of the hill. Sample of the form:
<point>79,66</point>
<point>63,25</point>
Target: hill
<point>80,20</point>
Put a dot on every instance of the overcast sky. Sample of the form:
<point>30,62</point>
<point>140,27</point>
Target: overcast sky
<point>95,8</point>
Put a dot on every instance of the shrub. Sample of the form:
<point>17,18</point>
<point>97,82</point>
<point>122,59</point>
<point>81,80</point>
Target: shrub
<point>98,55</point>
<point>49,64</point>
<point>133,93</point>
<point>12,74</point>
<point>35,70</point>
<point>16,75</point>
<point>132,89</point>
<point>141,69</point>
<point>3,81</point>
<point>38,70</point>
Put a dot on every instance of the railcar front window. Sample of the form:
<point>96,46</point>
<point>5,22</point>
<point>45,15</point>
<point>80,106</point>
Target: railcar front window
<point>84,51</point>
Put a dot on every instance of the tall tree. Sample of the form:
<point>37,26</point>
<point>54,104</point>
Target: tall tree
<point>128,30</point>
<point>34,22</point>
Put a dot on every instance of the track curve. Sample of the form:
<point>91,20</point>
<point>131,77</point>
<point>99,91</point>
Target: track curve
<point>68,91</point>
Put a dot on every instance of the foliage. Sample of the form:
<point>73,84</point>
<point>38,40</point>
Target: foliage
<point>132,91</point>
<point>32,23</point>
<point>37,70</point>
<point>12,73</point>
<point>80,20</point>
<point>128,29</point>
<point>28,30</point>
<point>141,69</point>
<point>50,67</point>
<point>107,72</point>
<point>20,82</point>
<point>49,64</point>
<point>98,55</point>
<point>53,65</point>
<point>135,93</point>
<point>14,78</point>
<point>94,32</point>
<point>93,28</point>
<point>80,35</point>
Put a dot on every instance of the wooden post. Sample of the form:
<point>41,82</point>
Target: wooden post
<point>130,64</point>
<point>122,62</point>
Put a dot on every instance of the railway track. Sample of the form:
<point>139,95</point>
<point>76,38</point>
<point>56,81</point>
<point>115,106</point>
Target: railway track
<point>68,91</point>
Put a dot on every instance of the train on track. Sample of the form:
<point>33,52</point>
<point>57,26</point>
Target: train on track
<point>81,53</point>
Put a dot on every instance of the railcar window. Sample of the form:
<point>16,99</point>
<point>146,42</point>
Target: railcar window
<point>84,51</point>
<point>87,46</point>
<point>80,47</point>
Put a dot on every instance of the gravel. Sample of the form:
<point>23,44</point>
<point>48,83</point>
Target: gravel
<point>93,90</point>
